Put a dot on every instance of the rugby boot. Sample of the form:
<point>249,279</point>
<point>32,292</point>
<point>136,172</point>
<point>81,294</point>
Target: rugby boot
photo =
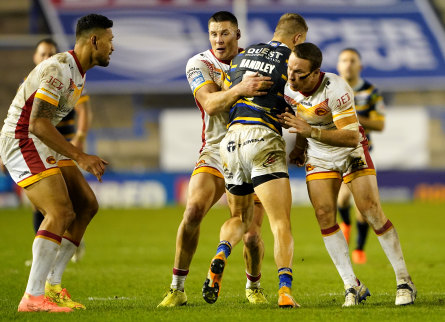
<point>406,293</point>
<point>285,298</point>
<point>61,296</point>
<point>256,296</point>
<point>212,284</point>
<point>174,298</point>
<point>39,303</point>
<point>355,294</point>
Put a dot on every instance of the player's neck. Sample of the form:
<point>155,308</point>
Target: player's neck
<point>83,54</point>
<point>353,81</point>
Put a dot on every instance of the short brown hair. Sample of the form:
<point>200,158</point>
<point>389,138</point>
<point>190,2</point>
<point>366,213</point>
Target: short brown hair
<point>290,24</point>
<point>221,16</point>
<point>311,52</point>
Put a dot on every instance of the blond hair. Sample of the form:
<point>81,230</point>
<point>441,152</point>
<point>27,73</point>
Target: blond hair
<point>290,24</point>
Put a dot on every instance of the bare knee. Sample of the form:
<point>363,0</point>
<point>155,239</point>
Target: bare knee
<point>61,217</point>
<point>325,216</point>
<point>193,215</point>
<point>87,208</point>
<point>372,212</point>
<point>252,239</point>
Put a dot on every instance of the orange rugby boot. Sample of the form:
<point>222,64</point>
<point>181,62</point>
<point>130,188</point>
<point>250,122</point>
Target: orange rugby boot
<point>39,303</point>
<point>212,284</point>
<point>285,298</point>
<point>359,256</point>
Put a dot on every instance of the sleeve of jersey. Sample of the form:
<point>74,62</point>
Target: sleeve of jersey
<point>51,85</point>
<point>341,102</point>
<point>198,74</point>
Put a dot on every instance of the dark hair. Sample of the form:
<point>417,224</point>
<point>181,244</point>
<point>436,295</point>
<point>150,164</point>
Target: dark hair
<point>353,50</point>
<point>47,41</point>
<point>92,21</point>
<point>310,52</point>
<point>221,16</point>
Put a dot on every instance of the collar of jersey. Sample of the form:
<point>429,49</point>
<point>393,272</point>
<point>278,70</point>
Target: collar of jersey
<point>320,79</point>
<point>79,66</point>
<point>359,85</point>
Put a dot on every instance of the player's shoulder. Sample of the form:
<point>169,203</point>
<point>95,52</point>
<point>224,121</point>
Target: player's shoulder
<point>57,64</point>
<point>369,87</point>
<point>335,83</point>
<point>200,57</point>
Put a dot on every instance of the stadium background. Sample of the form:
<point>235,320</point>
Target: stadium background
<point>145,120</point>
<point>146,124</point>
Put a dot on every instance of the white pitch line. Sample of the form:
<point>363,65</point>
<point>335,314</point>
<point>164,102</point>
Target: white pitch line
<point>110,298</point>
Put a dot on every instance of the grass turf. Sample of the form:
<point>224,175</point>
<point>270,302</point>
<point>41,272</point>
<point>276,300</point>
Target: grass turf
<point>128,263</point>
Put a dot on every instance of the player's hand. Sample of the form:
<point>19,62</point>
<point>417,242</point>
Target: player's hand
<point>280,118</point>
<point>93,164</point>
<point>254,85</point>
<point>297,124</point>
<point>298,156</point>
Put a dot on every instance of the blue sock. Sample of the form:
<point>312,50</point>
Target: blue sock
<point>224,246</point>
<point>285,277</point>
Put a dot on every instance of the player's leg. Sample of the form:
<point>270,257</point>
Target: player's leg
<point>323,195</point>
<point>59,214</point>
<point>344,209</point>
<point>366,195</point>
<point>231,233</point>
<point>204,190</point>
<point>37,218</point>
<point>358,254</point>
<point>253,255</point>
<point>275,195</point>
<point>85,206</point>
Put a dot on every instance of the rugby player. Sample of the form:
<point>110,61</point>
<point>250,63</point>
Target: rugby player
<point>371,116</point>
<point>40,160</point>
<point>46,48</point>
<point>254,157</point>
<point>205,73</point>
<point>338,152</point>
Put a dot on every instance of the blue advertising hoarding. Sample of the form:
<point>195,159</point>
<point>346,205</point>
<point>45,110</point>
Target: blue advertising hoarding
<point>401,41</point>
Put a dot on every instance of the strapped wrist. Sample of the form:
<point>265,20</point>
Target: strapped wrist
<point>316,133</point>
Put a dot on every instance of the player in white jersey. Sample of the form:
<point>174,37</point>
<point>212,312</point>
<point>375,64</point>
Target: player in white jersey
<point>34,152</point>
<point>338,152</point>
<point>206,73</point>
<point>371,115</point>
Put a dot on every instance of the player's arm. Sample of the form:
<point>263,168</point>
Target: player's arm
<point>84,118</point>
<point>371,124</point>
<point>346,133</point>
<point>298,154</point>
<point>215,100</point>
<point>40,125</point>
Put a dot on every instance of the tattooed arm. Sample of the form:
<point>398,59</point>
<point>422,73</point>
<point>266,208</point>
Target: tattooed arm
<point>40,125</point>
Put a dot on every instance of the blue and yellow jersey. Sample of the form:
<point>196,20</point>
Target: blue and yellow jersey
<point>368,103</point>
<point>67,126</point>
<point>269,60</point>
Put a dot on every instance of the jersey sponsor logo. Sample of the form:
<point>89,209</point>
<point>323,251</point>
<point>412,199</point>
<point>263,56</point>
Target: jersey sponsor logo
<point>231,146</point>
<point>51,160</point>
<point>200,163</point>
<point>193,72</point>
<point>257,65</point>
<point>264,52</point>
<point>55,83</point>
<point>252,141</point>
<point>198,80</point>
<point>343,100</point>
<point>227,173</point>
<point>24,173</point>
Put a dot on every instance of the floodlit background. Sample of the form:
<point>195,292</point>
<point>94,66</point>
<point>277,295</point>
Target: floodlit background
<point>145,120</point>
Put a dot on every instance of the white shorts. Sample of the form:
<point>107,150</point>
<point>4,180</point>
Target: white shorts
<point>345,164</point>
<point>209,161</point>
<point>252,155</point>
<point>29,160</point>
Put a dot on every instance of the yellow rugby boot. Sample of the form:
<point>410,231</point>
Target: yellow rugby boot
<point>174,298</point>
<point>256,296</point>
<point>61,297</point>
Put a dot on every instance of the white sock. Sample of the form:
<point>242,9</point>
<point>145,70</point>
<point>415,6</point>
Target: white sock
<point>178,278</point>
<point>391,246</point>
<point>338,250</point>
<point>66,251</point>
<point>44,252</point>
<point>253,281</point>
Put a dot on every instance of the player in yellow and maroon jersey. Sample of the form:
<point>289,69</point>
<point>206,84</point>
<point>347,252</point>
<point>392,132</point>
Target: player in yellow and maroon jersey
<point>371,115</point>
<point>205,73</point>
<point>46,48</point>
<point>38,158</point>
<point>337,152</point>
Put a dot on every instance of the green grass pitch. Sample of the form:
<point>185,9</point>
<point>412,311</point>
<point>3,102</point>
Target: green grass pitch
<point>129,259</point>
